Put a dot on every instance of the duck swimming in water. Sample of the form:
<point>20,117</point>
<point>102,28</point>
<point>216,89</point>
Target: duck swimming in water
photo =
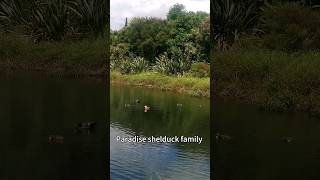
<point>222,137</point>
<point>146,108</point>
<point>286,139</point>
<point>87,125</point>
<point>56,139</point>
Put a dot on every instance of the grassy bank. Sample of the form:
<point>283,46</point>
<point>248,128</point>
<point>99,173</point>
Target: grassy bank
<point>187,85</point>
<point>274,80</point>
<point>79,57</point>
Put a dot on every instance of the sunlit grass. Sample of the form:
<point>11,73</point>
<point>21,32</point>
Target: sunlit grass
<point>185,84</point>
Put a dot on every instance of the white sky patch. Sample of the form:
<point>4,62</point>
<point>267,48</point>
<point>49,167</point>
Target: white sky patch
<point>120,9</point>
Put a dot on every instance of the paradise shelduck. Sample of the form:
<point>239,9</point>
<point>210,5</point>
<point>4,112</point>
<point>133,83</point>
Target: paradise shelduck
<point>56,139</point>
<point>87,125</point>
<point>146,108</point>
<point>222,137</point>
<point>286,139</point>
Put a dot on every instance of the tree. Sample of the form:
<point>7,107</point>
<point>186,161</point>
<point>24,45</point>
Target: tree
<point>146,36</point>
<point>184,36</point>
<point>176,11</point>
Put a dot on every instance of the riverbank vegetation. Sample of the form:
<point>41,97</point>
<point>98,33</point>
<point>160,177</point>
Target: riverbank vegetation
<point>82,57</point>
<point>189,85</point>
<point>267,53</point>
<point>174,51</point>
<point>54,35</point>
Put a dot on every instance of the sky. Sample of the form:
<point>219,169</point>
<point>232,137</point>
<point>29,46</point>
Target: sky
<point>120,9</point>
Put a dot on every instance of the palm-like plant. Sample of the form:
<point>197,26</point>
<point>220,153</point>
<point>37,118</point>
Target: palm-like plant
<point>50,19</point>
<point>55,19</point>
<point>231,18</point>
<point>93,14</point>
<point>139,64</point>
<point>173,65</point>
<point>13,13</point>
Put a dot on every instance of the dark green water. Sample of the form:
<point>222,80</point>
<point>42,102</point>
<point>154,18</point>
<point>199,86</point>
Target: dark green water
<point>31,109</point>
<point>158,160</point>
<point>257,151</point>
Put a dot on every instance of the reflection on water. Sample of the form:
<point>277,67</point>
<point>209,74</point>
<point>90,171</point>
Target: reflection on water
<point>170,115</point>
<point>31,109</point>
<point>258,150</point>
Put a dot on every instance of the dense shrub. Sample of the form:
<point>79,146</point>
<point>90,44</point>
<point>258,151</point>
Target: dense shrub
<point>130,64</point>
<point>147,37</point>
<point>125,67</point>
<point>277,80</point>
<point>200,69</point>
<point>183,32</point>
<point>80,57</point>
<point>162,64</point>
<point>118,53</point>
<point>291,26</point>
<point>174,65</point>
<point>139,64</point>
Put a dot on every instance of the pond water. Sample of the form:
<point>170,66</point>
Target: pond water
<point>259,147</point>
<point>170,115</point>
<point>32,108</point>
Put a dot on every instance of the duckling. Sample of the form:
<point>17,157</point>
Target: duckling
<point>56,139</point>
<point>222,137</point>
<point>146,108</point>
<point>286,139</point>
<point>86,125</point>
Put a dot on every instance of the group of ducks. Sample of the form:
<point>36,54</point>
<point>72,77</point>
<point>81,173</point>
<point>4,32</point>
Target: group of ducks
<point>146,108</point>
<point>80,127</point>
<point>223,137</point>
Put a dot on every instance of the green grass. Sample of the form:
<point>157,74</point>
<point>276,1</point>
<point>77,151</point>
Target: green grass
<point>187,85</point>
<point>88,56</point>
<point>274,80</point>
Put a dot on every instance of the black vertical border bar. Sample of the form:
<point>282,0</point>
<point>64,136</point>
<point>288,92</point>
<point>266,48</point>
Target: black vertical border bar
<point>107,91</point>
<point>212,93</point>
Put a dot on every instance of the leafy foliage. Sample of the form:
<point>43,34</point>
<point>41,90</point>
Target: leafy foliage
<point>139,64</point>
<point>169,45</point>
<point>49,19</point>
<point>12,13</point>
<point>302,27</point>
<point>54,19</point>
<point>146,36</point>
<point>118,54</point>
<point>136,65</point>
<point>200,69</point>
<point>125,67</point>
<point>92,15</point>
<point>174,65</point>
<point>231,18</point>
<point>288,25</point>
<point>175,11</point>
